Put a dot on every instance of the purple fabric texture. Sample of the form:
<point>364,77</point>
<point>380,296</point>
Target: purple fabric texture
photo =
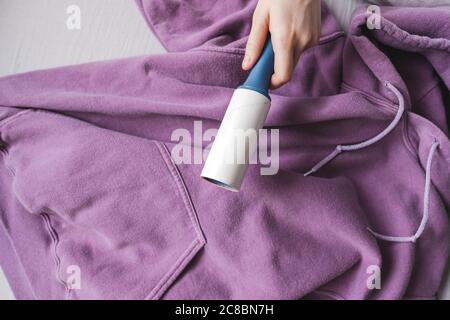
<point>86,177</point>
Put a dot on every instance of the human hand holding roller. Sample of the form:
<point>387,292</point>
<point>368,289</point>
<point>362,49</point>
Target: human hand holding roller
<point>294,25</point>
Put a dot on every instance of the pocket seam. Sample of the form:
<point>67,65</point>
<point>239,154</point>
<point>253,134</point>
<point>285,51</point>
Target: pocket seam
<point>168,279</point>
<point>181,188</point>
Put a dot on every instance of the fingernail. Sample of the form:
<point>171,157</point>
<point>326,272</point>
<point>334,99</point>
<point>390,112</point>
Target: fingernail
<point>246,61</point>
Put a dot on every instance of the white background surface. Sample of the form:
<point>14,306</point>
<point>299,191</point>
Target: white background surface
<point>34,35</point>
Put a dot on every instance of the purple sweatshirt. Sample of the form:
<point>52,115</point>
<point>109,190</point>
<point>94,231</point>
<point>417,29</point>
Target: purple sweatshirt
<point>87,182</point>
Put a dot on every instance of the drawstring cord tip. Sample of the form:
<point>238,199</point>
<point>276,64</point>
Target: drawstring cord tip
<point>310,172</point>
<point>324,161</point>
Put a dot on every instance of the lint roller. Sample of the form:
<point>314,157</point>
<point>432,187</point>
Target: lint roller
<point>244,117</point>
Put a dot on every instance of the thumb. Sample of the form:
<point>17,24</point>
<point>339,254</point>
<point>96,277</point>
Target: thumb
<point>256,41</point>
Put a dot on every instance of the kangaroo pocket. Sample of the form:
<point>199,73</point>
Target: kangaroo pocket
<point>120,223</point>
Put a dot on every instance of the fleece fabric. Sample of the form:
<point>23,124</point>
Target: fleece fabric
<point>93,206</point>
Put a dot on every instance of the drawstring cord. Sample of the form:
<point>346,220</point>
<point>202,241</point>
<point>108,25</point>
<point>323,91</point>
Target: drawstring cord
<point>426,204</point>
<point>426,198</point>
<point>342,148</point>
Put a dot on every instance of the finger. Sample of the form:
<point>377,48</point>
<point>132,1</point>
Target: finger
<point>284,61</point>
<point>256,41</point>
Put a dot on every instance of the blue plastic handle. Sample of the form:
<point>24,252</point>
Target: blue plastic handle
<point>261,74</point>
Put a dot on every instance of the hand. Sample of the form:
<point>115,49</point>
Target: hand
<point>294,25</point>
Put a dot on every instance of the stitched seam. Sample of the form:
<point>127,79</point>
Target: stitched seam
<point>55,244</point>
<point>385,105</point>
<point>181,188</point>
<point>173,272</point>
<point>233,51</point>
<point>167,280</point>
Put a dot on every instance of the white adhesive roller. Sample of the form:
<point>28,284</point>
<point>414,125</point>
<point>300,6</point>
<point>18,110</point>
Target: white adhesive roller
<point>234,144</point>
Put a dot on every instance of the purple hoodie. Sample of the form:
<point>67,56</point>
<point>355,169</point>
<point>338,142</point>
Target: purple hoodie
<point>87,180</point>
